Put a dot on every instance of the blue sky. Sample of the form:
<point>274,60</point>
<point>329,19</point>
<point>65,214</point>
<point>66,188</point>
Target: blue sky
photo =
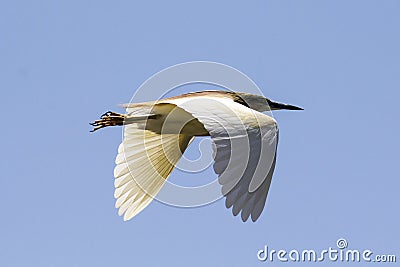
<point>64,64</point>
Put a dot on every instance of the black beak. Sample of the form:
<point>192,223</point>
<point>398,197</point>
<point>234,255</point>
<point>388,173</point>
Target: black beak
<point>276,106</point>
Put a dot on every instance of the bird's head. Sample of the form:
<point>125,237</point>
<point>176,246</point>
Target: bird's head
<point>261,103</point>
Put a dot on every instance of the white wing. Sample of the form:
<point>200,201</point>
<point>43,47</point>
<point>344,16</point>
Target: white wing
<point>144,162</point>
<point>245,142</point>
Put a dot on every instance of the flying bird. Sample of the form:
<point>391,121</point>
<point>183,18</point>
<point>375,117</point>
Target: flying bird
<point>157,133</point>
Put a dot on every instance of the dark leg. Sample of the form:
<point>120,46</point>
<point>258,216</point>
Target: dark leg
<point>108,119</point>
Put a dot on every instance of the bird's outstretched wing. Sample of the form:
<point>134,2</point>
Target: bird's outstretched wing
<point>245,150</point>
<point>144,161</point>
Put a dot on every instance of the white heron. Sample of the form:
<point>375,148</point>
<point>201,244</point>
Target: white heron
<point>157,133</point>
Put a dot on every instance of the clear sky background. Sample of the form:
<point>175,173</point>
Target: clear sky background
<point>62,64</point>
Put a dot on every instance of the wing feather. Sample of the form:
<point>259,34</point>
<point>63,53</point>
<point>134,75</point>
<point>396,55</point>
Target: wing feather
<point>144,161</point>
<point>246,143</point>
